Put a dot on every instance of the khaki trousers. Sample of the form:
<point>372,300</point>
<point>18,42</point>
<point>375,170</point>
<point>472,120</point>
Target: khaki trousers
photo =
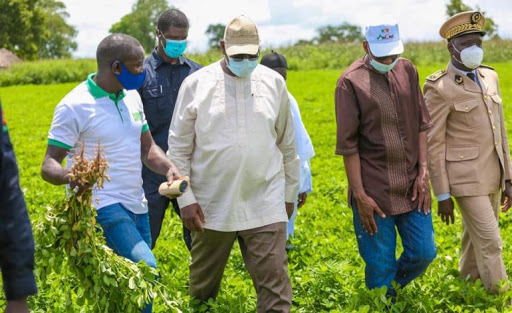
<point>264,253</point>
<point>481,240</point>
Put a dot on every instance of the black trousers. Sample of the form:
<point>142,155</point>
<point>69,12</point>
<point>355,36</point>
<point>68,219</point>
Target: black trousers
<point>157,206</point>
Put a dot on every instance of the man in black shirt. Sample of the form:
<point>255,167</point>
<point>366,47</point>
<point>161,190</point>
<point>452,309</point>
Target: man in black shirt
<point>166,69</point>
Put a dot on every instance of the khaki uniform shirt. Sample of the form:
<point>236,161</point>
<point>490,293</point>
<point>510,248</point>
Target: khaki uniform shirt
<point>468,145</point>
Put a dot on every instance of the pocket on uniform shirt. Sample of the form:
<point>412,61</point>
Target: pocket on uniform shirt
<point>496,98</point>
<point>467,111</point>
<point>154,104</point>
<point>461,164</point>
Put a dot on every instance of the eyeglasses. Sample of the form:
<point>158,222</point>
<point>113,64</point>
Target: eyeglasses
<point>241,57</point>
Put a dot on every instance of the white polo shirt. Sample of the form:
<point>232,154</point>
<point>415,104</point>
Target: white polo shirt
<point>90,115</point>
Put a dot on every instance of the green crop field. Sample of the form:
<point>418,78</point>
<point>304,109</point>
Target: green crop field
<point>326,270</point>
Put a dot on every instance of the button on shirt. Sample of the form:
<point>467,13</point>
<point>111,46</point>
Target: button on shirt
<point>89,115</point>
<point>235,138</point>
<point>380,117</point>
<point>474,77</point>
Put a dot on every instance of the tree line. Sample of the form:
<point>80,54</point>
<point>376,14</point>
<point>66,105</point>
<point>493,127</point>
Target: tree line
<point>38,29</point>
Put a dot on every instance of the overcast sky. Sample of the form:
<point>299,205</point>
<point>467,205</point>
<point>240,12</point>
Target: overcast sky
<point>281,22</point>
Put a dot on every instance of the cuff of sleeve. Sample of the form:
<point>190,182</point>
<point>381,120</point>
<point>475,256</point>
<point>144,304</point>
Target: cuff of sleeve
<point>290,194</point>
<point>145,128</point>
<point>425,127</point>
<point>347,151</point>
<point>443,196</point>
<point>53,142</point>
<point>20,287</point>
<point>187,198</point>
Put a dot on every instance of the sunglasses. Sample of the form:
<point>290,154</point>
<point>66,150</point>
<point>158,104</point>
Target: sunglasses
<point>241,57</point>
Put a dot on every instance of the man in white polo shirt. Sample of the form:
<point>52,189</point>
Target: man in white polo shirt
<point>101,110</point>
<point>232,132</point>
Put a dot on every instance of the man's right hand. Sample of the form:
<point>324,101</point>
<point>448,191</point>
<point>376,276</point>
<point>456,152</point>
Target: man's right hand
<point>367,207</point>
<point>192,216</point>
<point>17,306</point>
<point>80,188</point>
<point>445,210</point>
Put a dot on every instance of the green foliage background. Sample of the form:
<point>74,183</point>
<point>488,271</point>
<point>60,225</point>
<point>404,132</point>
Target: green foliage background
<point>326,270</point>
<point>35,29</point>
<point>141,22</point>
<point>333,56</point>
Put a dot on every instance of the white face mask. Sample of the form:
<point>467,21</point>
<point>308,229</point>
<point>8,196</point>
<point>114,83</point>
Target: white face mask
<point>471,57</point>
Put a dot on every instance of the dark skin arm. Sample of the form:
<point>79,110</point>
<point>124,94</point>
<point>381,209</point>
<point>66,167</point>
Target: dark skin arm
<point>302,199</point>
<point>155,159</point>
<point>52,170</point>
<point>192,216</point>
<point>506,196</point>
<point>17,306</point>
<point>421,188</point>
<point>445,211</point>
<point>289,209</point>
<point>366,206</point>
<point>446,207</point>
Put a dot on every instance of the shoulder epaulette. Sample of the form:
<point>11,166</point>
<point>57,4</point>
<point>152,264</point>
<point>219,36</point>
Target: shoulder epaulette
<point>487,66</point>
<point>436,75</point>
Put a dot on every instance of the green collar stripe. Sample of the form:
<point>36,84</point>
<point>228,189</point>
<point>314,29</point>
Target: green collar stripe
<point>145,128</point>
<point>4,128</point>
<point>97,92</point>
<point>59,144</point>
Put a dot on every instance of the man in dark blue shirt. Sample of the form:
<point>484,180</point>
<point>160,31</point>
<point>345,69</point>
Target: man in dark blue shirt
<point>166,69</point>
<point>16,240</point>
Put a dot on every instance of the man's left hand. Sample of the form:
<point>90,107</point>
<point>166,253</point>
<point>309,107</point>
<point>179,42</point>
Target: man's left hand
<point>302,199</point>
<point>289,209</point>
<point>421,190</point>
<point>172,174</point>
<point>506,197</point>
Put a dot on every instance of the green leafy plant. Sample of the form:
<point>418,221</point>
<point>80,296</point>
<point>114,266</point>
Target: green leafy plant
<point>69,237</point>
<point>325,268</point>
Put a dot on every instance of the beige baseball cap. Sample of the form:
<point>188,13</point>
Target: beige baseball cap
<point>241,36</point>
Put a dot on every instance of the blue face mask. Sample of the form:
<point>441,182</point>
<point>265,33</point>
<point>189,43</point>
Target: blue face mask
<point>130,81</point>
<point>242,68</point>
<point>174,48</point>
<point>382,68</point>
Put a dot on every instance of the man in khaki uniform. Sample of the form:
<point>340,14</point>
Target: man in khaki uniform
<point>468,148</point>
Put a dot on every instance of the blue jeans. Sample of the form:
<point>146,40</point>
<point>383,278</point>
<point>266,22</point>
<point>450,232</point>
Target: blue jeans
<point>379,251</point>
<point>128,234</point>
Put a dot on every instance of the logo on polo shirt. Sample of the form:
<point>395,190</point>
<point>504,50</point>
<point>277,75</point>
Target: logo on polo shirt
<point>137,116</point>
<point>384,34</point>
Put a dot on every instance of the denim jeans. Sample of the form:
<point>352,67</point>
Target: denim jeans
<point>379,250</point>
<point>128,234</point>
